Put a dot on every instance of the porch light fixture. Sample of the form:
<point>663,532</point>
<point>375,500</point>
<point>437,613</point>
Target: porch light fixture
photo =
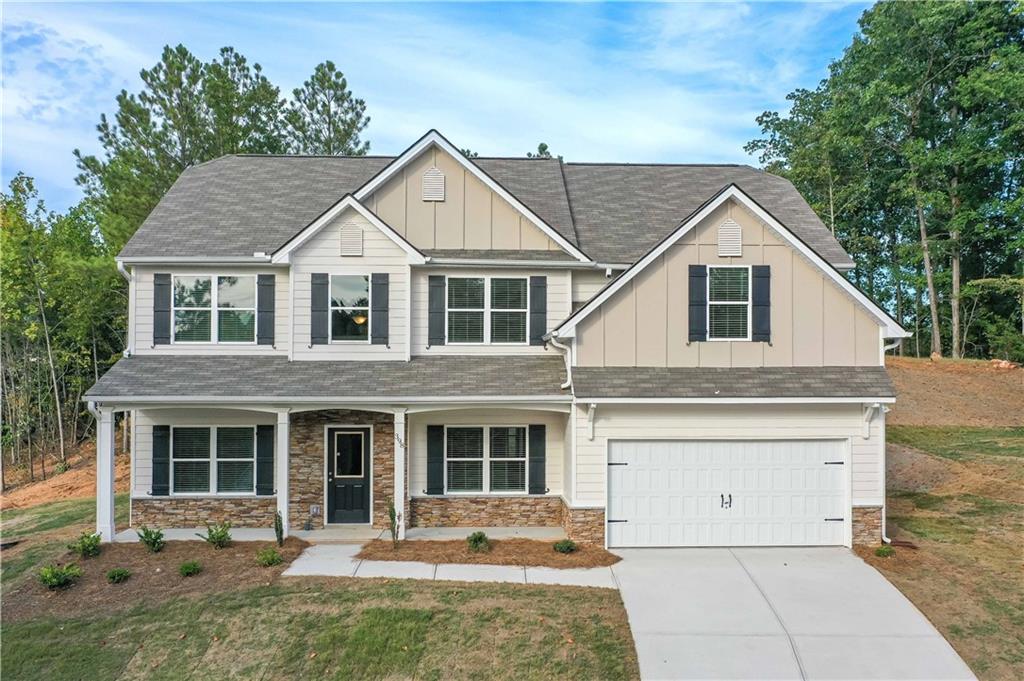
<point>359,319</point>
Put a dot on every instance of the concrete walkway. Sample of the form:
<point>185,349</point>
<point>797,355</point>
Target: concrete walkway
<point>338,560</point>
<point>775,614</point>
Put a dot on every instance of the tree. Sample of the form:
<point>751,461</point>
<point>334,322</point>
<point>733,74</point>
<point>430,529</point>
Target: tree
<point>324,117</point>
<point>542,152</point>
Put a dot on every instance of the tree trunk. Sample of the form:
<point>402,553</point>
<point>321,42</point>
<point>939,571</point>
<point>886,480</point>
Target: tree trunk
<point>894,263</point>
<point>933,302</point>
<point>53,374</point>
<point>917,315</point>
<point>954,239</point>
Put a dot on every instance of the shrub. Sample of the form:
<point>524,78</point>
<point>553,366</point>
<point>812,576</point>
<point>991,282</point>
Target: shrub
<point>279,528</point>
<point>87,545</point>
<point>478,542</point>
<point>59,576</point>
<point>118,575</point>
<point>885,551</point>
<point>393,523</point>
<point>189,568</point>
<point>153,539</point>
<point>217,535</point>
<point>62,467</point>
<point>565,546</point>
<point>268,557</point>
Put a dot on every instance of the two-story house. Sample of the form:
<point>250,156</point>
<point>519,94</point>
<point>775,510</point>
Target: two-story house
<point>641,354</point>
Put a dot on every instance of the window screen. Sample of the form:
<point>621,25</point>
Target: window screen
<point>728,303</point>
<point>236,452</point>
<point>465,310</point>
<point>464,451</point>
<point>190,453</point>
<point>508,310</point>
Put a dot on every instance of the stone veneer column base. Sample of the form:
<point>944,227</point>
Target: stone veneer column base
<point>165,512</point>
<point>867,526</point>
<point>584,525</point>
<point>485,511</point>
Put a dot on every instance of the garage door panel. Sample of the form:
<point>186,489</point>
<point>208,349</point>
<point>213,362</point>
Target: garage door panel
<point>676,493</point>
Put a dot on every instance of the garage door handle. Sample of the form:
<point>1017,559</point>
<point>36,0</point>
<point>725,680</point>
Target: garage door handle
<point>834,520</point>
<point>618,521</point>
<point>613,463</point>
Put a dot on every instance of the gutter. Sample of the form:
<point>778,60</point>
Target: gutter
<point>568,360</point>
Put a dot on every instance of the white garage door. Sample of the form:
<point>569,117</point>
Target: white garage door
<point>727,493</point>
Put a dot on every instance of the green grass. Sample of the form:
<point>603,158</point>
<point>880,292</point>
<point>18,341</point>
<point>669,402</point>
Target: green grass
<point>959,442</point>
<point>19,522</point>
<point>921,500</point>
<point>348,629</point>
<point>948,530</point>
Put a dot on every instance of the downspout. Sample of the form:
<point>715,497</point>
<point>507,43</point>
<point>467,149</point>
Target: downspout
<point>885,496</point>
<point>568,360</point>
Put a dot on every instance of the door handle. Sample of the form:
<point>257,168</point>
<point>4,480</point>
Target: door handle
<point>723,500</point>
<point>730,501</point>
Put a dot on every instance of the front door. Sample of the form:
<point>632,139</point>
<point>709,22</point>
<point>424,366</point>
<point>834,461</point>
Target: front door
<point>348,475</point>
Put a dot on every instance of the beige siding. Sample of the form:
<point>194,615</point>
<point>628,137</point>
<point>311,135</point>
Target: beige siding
<point>586,284</point>
<point>554,452</point>
<point>814,322</point>
<point>322,254</point>
<point>471,216</point>
<point>664,422</point>
<point>142,320</point>
<point>558,309</point>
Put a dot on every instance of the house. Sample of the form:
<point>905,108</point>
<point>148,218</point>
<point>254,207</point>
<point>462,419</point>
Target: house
<point>643,355</point>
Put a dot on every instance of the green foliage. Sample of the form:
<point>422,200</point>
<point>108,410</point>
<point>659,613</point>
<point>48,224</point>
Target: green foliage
<point>87,545</point>
<point>278,528</point>
<point>478,542</point>
<point>268,557</point>
<point>393,523</point>
<point>190,568</point>
<point>565,546</point>
<point>118,575</point>
<point>153,538</point>
<point>885,551</point>
<point>59,576</point>
<point>62,467</point>
<point>218,535</point>
<point>324,117</point>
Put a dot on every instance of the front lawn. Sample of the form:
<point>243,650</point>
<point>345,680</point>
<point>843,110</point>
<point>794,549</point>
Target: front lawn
<point>960,443</point>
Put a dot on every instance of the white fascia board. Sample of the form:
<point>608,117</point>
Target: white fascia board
<point>434,137</point>
<point>734,400</point>
<point>179,400</point>
<point>195,260</point>
<point>567,328</point>
<point>282,255</point>
<point>529,264</point>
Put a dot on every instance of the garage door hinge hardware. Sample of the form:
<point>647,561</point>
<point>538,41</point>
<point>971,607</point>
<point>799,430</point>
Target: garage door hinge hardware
<point>618,521</point>
<point>833,463</point>
<point>615,463</point>
<point>834,520</point>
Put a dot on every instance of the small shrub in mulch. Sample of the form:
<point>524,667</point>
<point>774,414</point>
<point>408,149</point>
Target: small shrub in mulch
<point>218,535</point>
<point>268,557</point>
<point>152,538</point>
<point>87,545</point>
<point>190,568</point>
<point>478,542</point>
<point>118,575</point>
<point>565,546</point>
<point>518,552</point>
<point>59,576</point>
<point>885,551</point>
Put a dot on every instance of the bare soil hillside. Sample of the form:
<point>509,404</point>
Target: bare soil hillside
<point>79,482</point>
<point>955,393</point>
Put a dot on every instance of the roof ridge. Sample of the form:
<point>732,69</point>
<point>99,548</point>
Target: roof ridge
<point>669,165</point>
<point>297,156</point>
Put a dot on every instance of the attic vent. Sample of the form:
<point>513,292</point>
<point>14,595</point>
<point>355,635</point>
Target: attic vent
<point>433,185</point>
<point>730,239</point>
<point>351,239</point>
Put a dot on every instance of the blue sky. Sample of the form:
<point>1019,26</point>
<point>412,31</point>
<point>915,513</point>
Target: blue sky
<point>597,82</point>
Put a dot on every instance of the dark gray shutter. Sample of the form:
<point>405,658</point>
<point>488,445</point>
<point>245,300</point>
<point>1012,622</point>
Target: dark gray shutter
<point>435,310</point>
<point>537,442</point>
<point>161,309</point>
<point>319,309</point>
<point>264,460</point>
<point>761,303</point>
<point>379,286</point>
<point>698,303</point>
<point>435,460</point>
<point>161,484</point>
<point>265,309</point>
<point>538,309</point>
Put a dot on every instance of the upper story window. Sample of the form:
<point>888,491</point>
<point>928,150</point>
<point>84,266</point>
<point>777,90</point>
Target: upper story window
<point>350,308</point>
<point>729,303</point>
<point>205,312</point>
<point>487,310</point>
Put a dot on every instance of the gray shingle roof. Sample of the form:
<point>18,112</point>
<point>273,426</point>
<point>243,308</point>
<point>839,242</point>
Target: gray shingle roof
<point>249,377</point>
<point>640,382</point>
<point>238,205</point>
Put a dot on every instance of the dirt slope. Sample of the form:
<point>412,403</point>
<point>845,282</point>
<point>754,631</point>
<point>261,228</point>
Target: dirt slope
<point>955,393</point>
<point>77,483</point>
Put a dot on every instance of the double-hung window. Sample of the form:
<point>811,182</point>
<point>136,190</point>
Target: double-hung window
<point>232,298</point>
<point>729,303</point>
<point>487,310</point>
<point>350,308</point>
<point>485,459</point>
<point>221,460</point>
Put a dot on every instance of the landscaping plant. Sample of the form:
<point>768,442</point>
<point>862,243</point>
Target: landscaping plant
<point>153,539</point>
<point>118,575</point>
<point>87,545</point>
<point>393,523</point>
<point>189,568</point>
<point>565,546</point>
<point>217,535</point>
<point>885,551</point>
<point>478,542</point>
<point>279,528</point>
<point>59,576</point>
<point>268,557</point>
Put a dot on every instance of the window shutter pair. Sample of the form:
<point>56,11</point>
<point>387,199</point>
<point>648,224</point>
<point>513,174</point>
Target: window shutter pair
<point>760,301</point>
<point>320,308</point>
<point>162,309</point>
<point>537,438</point>
<point>437,303</point>
<point>161,480</point>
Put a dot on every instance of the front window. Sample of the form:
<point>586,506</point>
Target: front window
<point>207,459</point>
<point>197,300</point>
<point>193,309</point>
<point>487,310</point>
<point>729,303</point>
<point>485,459</point>
<point>236,309</point>
<point>350,308</point>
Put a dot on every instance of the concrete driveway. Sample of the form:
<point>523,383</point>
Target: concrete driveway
<point>775,614</point>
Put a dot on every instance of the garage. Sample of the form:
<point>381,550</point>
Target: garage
<point>690,493</point>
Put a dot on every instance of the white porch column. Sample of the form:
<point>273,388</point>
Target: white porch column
<point>400,484</point>
<point>281,461</point>
<point>105,439</point>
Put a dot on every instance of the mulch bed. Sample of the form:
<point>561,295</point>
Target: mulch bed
<point>526,552</point>
<point>154,577</point>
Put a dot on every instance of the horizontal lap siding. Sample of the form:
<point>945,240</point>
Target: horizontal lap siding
<point>585,285</point>
<point>727,422</point>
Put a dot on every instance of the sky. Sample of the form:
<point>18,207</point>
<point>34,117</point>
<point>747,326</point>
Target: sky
<point>673,83</point>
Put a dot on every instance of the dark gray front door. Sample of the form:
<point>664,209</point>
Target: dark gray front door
<point>348,475</point>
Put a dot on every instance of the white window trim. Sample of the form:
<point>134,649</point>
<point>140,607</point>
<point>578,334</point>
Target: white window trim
<point>487,310</point>
<point>362,455</point>
<point>215,310</point>
<point>748,303</point>
<point>331,307</point>
<point>212,462</point>
<point>486,461</point>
